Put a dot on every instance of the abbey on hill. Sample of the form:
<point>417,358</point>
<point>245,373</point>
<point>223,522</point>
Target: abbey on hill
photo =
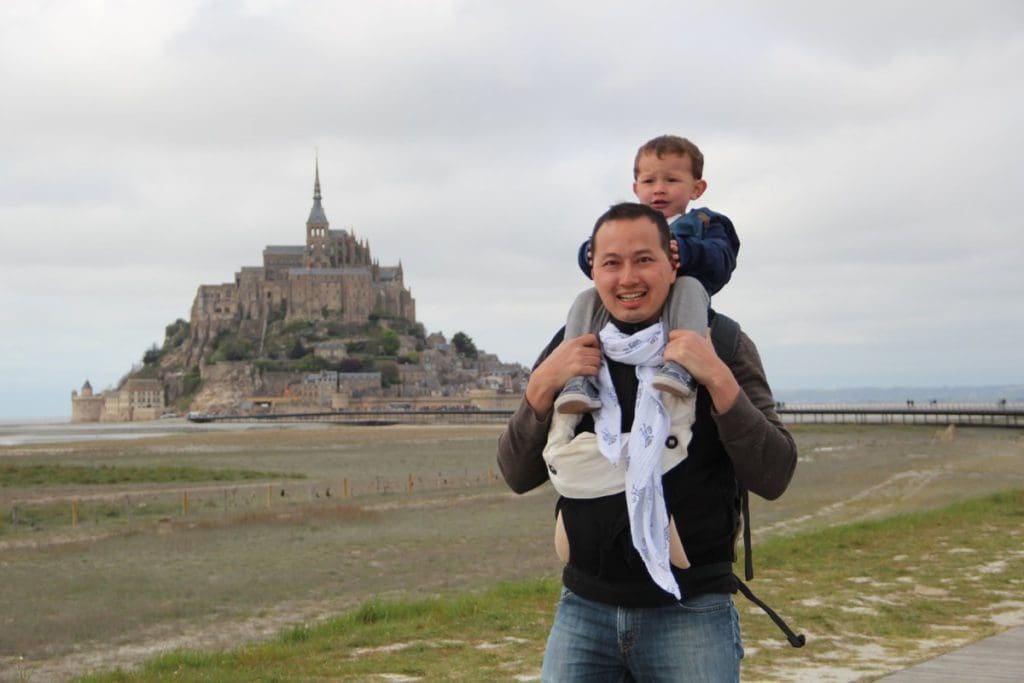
<point>331,277</point>
<point>316,326</point>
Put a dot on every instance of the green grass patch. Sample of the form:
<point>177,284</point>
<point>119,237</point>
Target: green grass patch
<point>883,585</point>
<point>492,636</point>
<point>12,475</point>
<point>893,582</point>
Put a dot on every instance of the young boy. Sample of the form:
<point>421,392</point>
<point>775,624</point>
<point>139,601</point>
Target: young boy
<point>667,176</point>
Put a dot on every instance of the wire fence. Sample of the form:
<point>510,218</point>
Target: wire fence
<point>208,502</point>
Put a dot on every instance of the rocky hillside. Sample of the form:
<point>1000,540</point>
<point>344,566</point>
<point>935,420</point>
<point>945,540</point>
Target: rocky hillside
<point>315,364</point>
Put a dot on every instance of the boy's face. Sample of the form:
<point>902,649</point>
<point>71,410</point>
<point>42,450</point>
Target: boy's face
<point>666,183</point>
<point>631,271</point>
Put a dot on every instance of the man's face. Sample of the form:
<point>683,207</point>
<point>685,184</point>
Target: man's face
<point>666,183</point>
<point>631,270</point>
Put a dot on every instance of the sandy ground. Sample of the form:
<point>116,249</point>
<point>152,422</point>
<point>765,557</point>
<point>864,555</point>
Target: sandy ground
<point>320,565</point>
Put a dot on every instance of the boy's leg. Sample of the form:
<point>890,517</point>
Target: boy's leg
<point>580,394</point>
<point>686,309</point>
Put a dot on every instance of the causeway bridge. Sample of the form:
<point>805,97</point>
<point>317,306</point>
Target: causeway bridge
<point>941,414</point>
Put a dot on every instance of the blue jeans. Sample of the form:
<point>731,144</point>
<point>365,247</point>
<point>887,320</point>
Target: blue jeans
<point>696,640</point>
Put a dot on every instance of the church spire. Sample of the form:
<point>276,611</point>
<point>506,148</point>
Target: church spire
<point>317,217</point>
<point>316,183</point>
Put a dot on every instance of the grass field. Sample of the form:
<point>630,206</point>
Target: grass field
<point>115,590</point>
<point>949,584</point>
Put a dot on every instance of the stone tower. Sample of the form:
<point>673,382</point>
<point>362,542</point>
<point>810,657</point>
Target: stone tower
<point>318,243</point>
<point>86,407</point>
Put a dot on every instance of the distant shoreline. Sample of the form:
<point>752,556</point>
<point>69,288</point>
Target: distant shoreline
<point>32,432</point>
<point>27,432</point>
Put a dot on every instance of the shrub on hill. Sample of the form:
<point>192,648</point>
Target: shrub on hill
<point>176,333</point>
<point>231,348</point>
<point>464,345</point>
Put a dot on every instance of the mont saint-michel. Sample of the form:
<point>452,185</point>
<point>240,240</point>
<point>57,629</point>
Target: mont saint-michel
<point>320,326</point>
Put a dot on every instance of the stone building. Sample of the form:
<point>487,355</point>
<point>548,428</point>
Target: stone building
<point>331,279</point>
<point>317,389</point>
<point>333,276</point>
<point>134,400</point>
<point>359,382</point>
<point>86,407</point>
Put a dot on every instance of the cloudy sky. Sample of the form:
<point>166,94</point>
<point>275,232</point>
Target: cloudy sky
<point>870,157</point>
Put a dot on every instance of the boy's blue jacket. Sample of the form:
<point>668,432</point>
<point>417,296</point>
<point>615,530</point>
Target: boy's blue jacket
<point>707,248</point>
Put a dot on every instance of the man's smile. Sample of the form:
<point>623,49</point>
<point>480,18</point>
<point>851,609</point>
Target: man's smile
<point>631,297</point>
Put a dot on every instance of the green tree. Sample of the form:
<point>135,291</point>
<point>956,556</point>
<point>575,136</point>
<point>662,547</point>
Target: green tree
<point>351,365</point>
<point>152,355</point>
<point>297,350</point>
<point>311,363</point>
<point>464,345</point>
<point>232,348</point>
<point>388,373</point>
<point>176,333</point>
<point>389,342</point>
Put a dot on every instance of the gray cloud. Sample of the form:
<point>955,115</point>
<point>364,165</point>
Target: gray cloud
<point>869,157</point>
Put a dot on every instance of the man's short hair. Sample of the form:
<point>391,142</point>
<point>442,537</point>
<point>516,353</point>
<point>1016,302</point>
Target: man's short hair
<point>629,211</point>
<point>671,144</point>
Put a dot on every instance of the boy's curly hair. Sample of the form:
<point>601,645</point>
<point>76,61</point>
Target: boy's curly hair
<point>671,144</point>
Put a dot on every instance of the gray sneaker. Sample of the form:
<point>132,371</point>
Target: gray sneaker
<point>579,395</point>
<point>675,379</point>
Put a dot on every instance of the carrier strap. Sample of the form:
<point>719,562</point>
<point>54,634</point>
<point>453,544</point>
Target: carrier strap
<point>748,555</point>
<point>796,640</point>
<point>725,334</point>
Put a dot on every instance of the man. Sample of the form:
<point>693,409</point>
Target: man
<point>627,558</point>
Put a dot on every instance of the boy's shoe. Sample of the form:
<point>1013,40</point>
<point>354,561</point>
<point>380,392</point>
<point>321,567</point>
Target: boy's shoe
<point>579,395</point>
<point>675,379</point>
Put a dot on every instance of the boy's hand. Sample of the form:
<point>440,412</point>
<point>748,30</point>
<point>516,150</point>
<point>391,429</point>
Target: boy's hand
<point>673,247</point>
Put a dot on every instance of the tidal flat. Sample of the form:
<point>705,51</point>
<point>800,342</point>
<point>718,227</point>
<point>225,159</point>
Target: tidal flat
<point>101,575</point>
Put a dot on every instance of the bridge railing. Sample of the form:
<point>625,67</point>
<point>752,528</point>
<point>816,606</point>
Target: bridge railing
<point>964,414</point>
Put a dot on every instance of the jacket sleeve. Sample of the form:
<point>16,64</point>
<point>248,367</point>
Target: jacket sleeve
<point>712,258</point>
<point>521,445</point>
<point>762,450</point>
<point>520,449</point>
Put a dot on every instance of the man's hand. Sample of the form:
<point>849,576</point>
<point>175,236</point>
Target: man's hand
<point>697,354</point>
<point>579,356</point>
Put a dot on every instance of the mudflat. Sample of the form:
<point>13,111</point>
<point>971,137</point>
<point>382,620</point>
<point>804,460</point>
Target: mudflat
<point>339,515</point>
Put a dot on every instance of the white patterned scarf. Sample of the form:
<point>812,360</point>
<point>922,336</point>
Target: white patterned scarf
<point>645,500</point>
